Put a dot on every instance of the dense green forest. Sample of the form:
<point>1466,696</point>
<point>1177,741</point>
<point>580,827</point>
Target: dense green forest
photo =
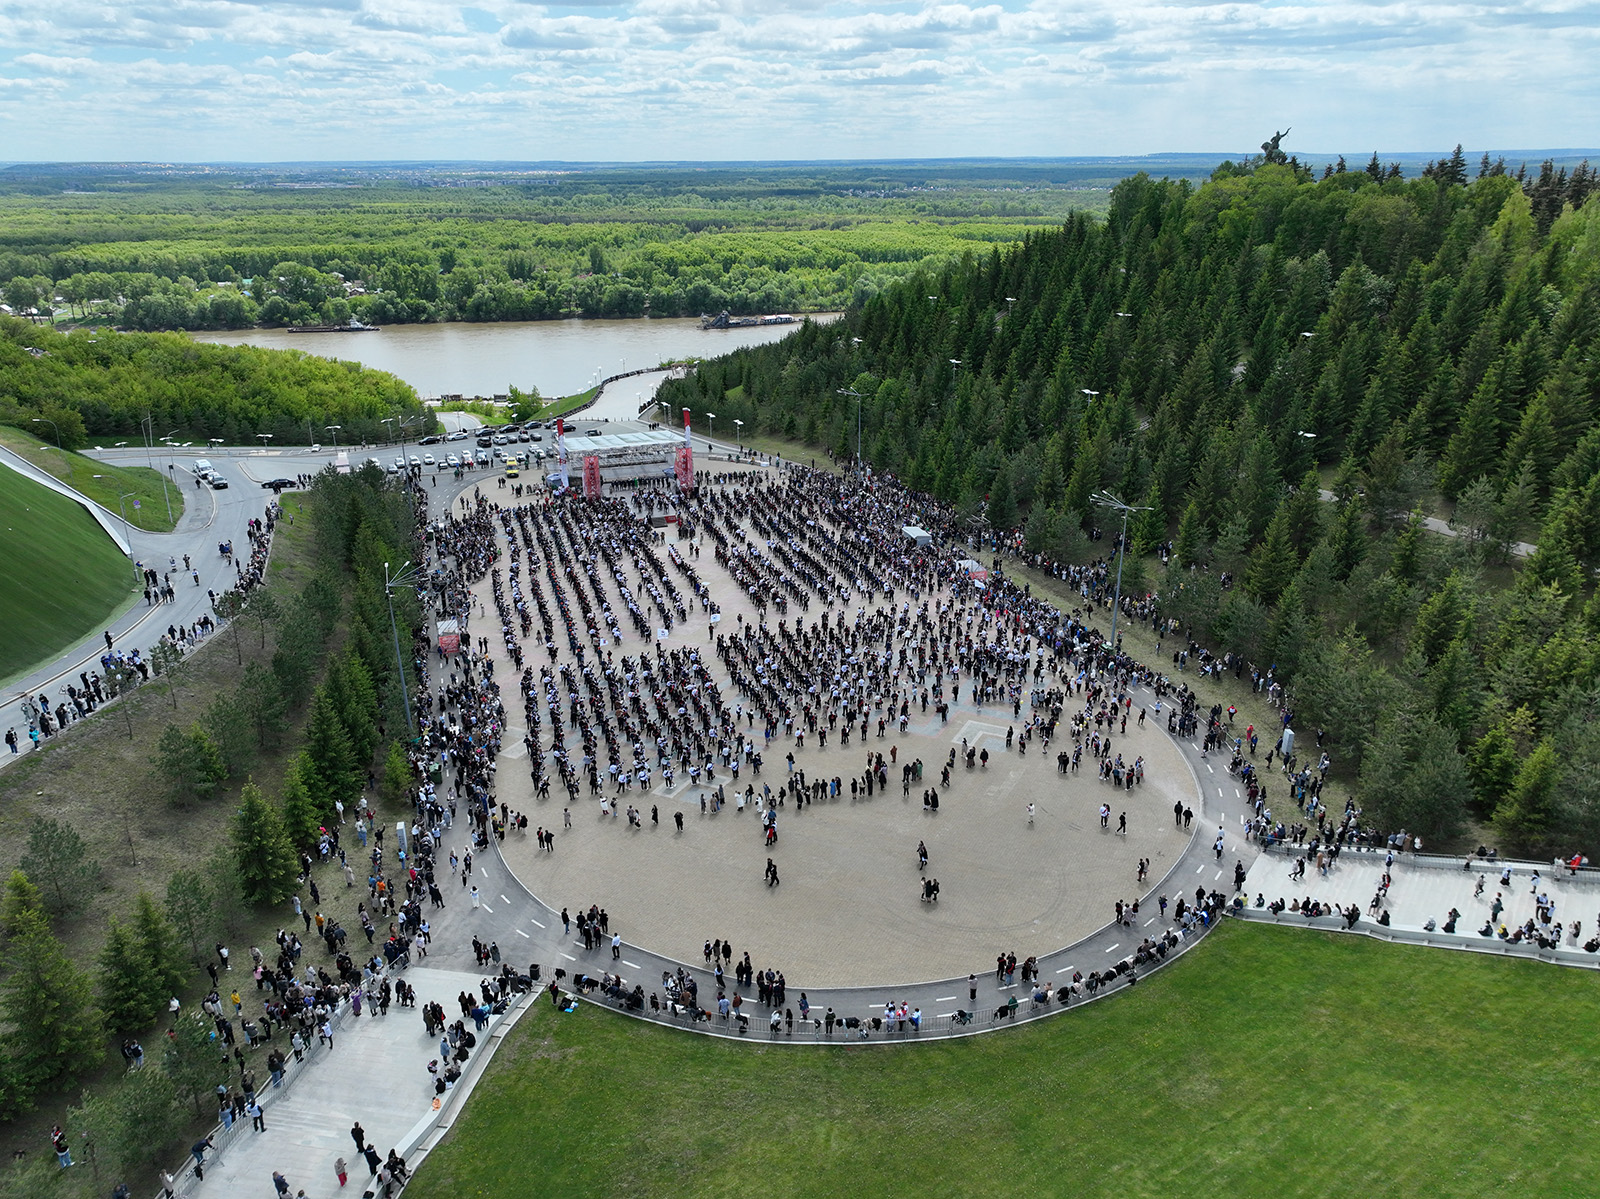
<point>203,252</point>
<point>1292,373</point>
<point>98,384</point>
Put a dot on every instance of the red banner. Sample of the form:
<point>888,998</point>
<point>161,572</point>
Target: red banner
<point>591,476</point>
<point>685,468</point>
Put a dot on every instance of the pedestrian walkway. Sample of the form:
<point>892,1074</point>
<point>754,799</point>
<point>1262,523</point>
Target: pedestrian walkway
<point>1424,889</point>
<point>376,1074</point>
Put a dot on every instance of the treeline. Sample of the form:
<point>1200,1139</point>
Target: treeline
<point>55,1014</point>
<point>93,383</point>
<point>180,255</point>
<point>1289,373</point>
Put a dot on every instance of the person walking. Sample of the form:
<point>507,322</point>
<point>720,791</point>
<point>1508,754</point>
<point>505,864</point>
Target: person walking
<point>341,1171</point>
<point>280,1183</point>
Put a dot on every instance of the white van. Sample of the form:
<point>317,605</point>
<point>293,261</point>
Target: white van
<point>202,468</point>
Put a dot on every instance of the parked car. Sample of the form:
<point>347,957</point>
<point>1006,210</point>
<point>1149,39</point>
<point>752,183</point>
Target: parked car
<point>593,432</point>
<point>218,483</point>
<point>452,461</point>
<point>458,435</point>
<point>427,460</point>
<point>279,484</point>
<point>484,457</point>
<point>535,436</point>
<point>431,439</point>
<point>415,461</point>
<point>400,462</point>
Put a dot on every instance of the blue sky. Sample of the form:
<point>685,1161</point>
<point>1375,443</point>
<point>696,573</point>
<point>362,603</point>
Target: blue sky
<point>209,80</point>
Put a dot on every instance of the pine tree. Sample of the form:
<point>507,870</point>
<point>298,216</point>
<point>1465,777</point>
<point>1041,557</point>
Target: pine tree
<point>1419,782</point>
<point>59,861</point>
<point>159,943</point>
<point>189,763</point>
<point>261,853</point>
<point>1442,618</point>
<point>53,1028</point>
<point>190,907</point>
<point>130,995</point>
<point>1494,762</point>
<point>1002,510</point>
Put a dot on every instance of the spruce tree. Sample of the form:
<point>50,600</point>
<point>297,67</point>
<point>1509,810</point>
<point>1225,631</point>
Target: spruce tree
<point>1524,815</point>
<point>130,994</point>
<point>1274,563</point>
<point>53,1028</point>
<point>331,772</point>
<point>21,899</point>
<point>159,943</point>
<point>1186,549</point>
<point>262,856</point>
<point>302,816</point>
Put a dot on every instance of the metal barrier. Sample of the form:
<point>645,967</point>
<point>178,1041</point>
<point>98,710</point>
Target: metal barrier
<point>1468,942</point>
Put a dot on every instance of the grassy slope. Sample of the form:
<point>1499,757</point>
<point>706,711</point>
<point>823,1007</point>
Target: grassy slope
<point>1273,1062</point>
<point>78,472</point>
<point>63,576</point>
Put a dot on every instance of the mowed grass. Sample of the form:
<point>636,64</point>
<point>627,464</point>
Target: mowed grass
<point>63,576</point>
<point>106,485</point>
<point>1271,1062</point>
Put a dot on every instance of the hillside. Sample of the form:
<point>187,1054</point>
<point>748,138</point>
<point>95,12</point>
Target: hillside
<point>1224,355</point>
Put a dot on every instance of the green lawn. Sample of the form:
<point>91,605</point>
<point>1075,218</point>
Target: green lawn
<point>63,576</point>
<point>1271,1062</point>
<point>145,505</point>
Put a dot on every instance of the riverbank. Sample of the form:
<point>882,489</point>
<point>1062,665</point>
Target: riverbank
<point>559,358</point>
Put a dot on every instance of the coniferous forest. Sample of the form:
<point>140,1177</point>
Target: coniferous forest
<point>1361,410</point>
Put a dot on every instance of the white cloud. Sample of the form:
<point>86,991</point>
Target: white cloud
<point>614,79</point>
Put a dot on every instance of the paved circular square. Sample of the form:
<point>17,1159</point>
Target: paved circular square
<point>848,907</point>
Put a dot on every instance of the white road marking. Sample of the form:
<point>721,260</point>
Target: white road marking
<point>1238,794</point>
<point>488,909</point>
<point>540,925</point>
<point>1149,922</point>
<point>503,899</point>
<point>568,956</point>
<point>1109,948</point>
<point>1200,867</point>
<point>520,933</point>
<point>946,998</point>
<point>1063,969</point>
<point>1219,875</point>
<point>1211,768</point>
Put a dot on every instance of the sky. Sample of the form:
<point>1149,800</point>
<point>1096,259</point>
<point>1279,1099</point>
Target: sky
<point>596,80</point>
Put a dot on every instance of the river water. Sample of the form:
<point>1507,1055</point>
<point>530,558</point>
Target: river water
<point>557,357</point>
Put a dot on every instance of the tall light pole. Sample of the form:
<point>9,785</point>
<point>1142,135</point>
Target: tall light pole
<point>738,432</point>
<point>45,420</point>
<point>1104,499</point>
<point>404,577</point>
<point>710,425</point>
<point>265,437</point>
<point>334,429</point>
<point>1091,394</point>
<point>845,391</point>
<point>388,434</point>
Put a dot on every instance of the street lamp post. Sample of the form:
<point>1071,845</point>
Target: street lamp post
<point>334,429</point>
<point>858,397</point>
<point>265,437</point>
<point>1091,394</point>
<point>1105,499</point>
<point>388,434</point>
<point>738,432</point>
<point>711,425</point>
<point>45,420</point>
<point>405,577</point>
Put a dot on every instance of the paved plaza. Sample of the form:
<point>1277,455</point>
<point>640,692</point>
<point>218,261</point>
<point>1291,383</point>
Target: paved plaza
<point>848,909</point>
